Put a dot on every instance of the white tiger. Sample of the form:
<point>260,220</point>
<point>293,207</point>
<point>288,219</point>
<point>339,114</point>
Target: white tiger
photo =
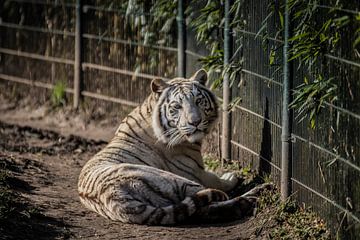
<point>152,171</point>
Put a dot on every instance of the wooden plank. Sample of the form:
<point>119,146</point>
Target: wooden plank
<point>109,99</point>
<point>36,56</point>
<point>31,82</point>
<point>120,71</point>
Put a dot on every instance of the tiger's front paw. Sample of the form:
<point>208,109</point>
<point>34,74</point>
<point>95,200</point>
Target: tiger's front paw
<point>230,180</point>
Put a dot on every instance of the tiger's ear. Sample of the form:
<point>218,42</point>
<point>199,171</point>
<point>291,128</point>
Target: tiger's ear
<point>200,77</point>
<point>158,85</point>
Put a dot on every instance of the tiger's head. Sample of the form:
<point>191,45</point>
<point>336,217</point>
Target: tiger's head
<point>185,110</point>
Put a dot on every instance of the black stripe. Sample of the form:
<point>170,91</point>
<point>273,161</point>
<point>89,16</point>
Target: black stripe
<point>137,123</point>
<point>181,212</point>
<point>196,148</point>
<point>210,105</point>
<point>133,144</point>
<point>208,92</point>
<point>194,160</point>
<point>177,190</point>
<point>155,170</point>
<point>187,172</point>
<point>92,181</point>
<point>213,100</point>
<point>142,116</point>
<point>206,96</point>
<point>91,199</point>
<point>136,138</point>
<point>186,185</point>
<point>147,106</point>
<point>143,199</point>
<point>101,211</point>
<point>132,130</point>
<point>126,152</point>
<point>160,116</point>
<point>159,215</point>
<point>115,160</point>
<point>146,220</point>
<point>135,210</point>
<point>96,207</point>
<point>158,191</point>
<point>165,160</point>
<point>117,140</point>
<point>183,164</point>
<point>109,183</point>
<point>89,179</point>
<point>165,125</point>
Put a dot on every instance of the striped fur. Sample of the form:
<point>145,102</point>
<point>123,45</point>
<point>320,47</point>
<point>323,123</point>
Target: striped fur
<point>152,170</point>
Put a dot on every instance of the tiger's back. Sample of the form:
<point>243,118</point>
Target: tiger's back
<point>152,171</point>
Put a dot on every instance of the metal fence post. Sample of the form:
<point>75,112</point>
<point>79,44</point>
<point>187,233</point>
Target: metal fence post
<point>226,116</point>
<point>181,39</point>
<point>78,57</point>
<point>286,116</point>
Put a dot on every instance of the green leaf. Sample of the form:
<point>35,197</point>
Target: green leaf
<point>296,37</point>
<point>281,18</point>
<point>272,57</point>
<point>306,80</point>
<point>312,123</point>
<point>356,42</point>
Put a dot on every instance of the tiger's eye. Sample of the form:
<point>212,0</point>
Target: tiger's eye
<point>176,106</point>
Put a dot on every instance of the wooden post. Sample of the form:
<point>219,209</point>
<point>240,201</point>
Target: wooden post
<point>78,57</point>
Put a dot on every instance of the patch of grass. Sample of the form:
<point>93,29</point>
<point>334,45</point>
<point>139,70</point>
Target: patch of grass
<point>58,95</point>
<point>214,165</point>
<point>290,220</point>
<point>211,163</point>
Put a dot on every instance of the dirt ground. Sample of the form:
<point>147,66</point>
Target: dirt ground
<point>44,166</point>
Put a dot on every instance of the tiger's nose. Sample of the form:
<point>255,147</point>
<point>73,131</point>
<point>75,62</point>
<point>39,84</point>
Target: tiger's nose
<point>194,121</point>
